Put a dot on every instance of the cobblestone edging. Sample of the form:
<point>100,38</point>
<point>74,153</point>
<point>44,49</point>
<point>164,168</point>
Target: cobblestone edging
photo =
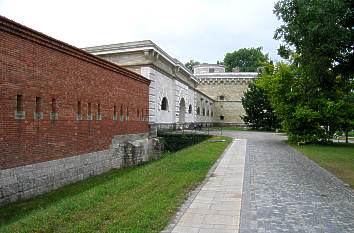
<point>31,180</point>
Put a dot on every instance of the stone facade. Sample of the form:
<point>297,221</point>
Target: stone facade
<point>169,78</point>
<point>226,88</point>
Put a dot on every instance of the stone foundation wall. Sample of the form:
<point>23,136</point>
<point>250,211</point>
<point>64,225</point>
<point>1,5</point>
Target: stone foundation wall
<point>31,180</point>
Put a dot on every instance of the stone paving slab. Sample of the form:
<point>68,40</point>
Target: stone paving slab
<point>216,207</point>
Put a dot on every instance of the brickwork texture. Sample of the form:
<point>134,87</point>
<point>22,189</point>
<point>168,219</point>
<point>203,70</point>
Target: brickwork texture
<point>58,101</point>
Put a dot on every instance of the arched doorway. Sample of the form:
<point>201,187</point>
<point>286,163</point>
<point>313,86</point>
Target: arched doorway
<point>182,111</point>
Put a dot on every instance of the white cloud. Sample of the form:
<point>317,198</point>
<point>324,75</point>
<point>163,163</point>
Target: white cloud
<point>187,29</point>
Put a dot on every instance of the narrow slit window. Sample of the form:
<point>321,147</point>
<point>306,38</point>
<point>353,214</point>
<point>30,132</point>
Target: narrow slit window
<point>38,104</point>
<point>127,112</point>
<point>19,103</point>
<point>38,115</point>
<point>54,105</point>
<point>121,113</point>
<point>54,112</point>
<point>89,111</point>
<point>79,116</point>
<point>115,113</point>
<point>19,113</point>
<point>98,113</point>
<point>137,114</point>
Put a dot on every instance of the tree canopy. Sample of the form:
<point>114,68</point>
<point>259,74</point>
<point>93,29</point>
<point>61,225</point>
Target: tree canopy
<point>312,93</point>
<point>259,113</point>
<point>190,64</point>
<point>246,59</point>
<point>321,32</point>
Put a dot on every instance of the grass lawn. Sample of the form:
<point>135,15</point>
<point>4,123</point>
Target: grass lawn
<point>337,158</point>
<point>140,199</point>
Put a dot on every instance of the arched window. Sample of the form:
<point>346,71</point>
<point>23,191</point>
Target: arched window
<point>190,109</point>
<point>164,104</point>
<point>198,111</point>
<point>203,111</point>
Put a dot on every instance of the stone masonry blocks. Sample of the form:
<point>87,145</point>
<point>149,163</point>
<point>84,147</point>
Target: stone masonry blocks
<point>31,180</point>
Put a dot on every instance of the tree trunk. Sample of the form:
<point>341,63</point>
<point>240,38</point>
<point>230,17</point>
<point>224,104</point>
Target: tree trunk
<point>346,136</point>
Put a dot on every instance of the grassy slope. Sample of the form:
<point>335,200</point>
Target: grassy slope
<point>337,158</point>
<point>141,199</point>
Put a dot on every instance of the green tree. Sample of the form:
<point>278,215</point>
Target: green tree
<point>283,85</point>
<point>322,33</point>
<point>259,113</point>
<point>345,114</point>
<point>190,65</point>
<point>308,95</point>
<point>246,59</point>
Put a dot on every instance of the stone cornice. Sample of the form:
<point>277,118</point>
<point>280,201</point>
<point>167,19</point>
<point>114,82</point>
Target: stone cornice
<point>227,75</point>
<point>217,81</point>
<point>150,50</point>
<point>182,81</point>
<point>16,29</point>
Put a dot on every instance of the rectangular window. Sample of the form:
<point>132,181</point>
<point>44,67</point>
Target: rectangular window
<point>19,113</point>
<point>127,116</point>
<point>89,112</point>
<point>211,70</point>
<point>54,113</point>
<point>98,114</point>
<point>19,103</point>
<point>114,112</point>
<point>79,113</point>
<point>222,118</point>
<point>121,113</point>
<point>38,104</point>
<point>38,115</point>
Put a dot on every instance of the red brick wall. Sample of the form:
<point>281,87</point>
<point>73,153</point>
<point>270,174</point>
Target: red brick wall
<point>34,65</point>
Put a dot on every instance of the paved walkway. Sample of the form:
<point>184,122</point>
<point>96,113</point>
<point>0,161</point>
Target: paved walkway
<point>284,191</point>
<point>216,207</point>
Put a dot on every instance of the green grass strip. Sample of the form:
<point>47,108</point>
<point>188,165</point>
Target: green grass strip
<point>140,199</point>
<point>338,158</point>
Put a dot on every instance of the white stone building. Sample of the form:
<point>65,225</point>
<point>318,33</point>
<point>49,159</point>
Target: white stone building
<point>174,98</point>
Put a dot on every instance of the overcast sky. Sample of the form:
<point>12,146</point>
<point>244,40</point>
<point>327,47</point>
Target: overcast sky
<point>202,30</point>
